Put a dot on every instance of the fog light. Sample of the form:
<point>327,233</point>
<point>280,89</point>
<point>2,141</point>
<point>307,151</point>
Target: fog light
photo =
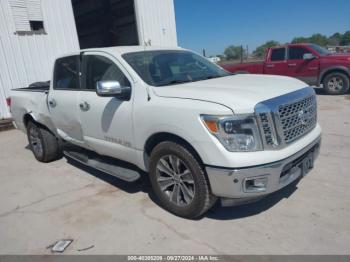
<point>255,185</point>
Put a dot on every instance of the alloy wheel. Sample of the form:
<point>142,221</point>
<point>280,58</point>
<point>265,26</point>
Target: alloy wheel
<point>175,180</point>
<point>335,83</point>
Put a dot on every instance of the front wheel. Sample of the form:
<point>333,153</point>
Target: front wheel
<point>179,181</point>
<point>336,83</point>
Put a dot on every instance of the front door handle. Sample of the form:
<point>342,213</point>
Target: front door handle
<point>292,65</point>
<point>84,106</point>
<point>270,66</point>
<point>52,103</point>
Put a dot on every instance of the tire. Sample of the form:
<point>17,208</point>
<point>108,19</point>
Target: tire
<point>336,83</point>
<point>194,197</point>
<point>43,143</point>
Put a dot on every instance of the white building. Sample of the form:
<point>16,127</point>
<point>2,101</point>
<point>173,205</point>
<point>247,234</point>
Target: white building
<point>34,32</point>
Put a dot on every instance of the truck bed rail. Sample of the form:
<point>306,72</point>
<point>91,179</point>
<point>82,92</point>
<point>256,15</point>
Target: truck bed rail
<point>35,87</point>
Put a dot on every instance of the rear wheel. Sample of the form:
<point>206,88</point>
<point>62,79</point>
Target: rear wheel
<point>43,143</point>
<point>179,181</point>
<point>336,83</point>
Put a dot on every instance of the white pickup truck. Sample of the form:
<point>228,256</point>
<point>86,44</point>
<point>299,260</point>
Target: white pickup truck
<point>198,131</point>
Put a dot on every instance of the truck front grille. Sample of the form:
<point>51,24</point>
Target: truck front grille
<point>298,118</point>
<point>284,119</point>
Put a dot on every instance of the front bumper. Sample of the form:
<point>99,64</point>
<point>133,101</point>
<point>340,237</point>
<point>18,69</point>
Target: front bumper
<point>230,184</point>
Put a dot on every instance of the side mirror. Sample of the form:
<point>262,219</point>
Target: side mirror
<point>308,56</point>
<point>113,88</point>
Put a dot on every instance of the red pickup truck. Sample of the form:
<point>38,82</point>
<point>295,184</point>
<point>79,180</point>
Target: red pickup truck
<point>310,63</point>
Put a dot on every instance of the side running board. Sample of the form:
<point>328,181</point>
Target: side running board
<point>105,164</point>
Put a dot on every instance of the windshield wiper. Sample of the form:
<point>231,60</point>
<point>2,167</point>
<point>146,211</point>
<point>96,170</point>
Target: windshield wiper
<point>176,82</point>
<point>212,77</point>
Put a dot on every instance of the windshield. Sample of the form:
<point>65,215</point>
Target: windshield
<point>320,50</point>
<point>161,68</point>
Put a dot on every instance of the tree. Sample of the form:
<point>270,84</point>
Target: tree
<point>345,40</point>
<point>234,52</point>
<point>335,39</point>
<point>298,40</point>
<point>319,39</point>
<point>259,52</point>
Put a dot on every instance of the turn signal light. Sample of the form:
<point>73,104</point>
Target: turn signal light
<point>212,126</point>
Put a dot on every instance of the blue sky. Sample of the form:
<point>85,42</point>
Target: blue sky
<point>215,24</point>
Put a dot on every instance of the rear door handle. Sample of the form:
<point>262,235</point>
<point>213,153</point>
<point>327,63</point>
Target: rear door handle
<point>52,103</point>
<point>270,66</point>
<point>84,106</point>
<point>291,65</point>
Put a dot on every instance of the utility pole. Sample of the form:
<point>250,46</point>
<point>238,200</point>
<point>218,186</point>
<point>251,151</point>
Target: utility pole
<point>241,54</point>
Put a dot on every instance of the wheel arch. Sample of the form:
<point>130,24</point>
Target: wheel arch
<point>28,117</point>
<point>160,137</point>
<point>336,69</point>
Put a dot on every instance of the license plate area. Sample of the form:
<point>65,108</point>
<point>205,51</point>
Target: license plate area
<point>307,164</point>
<point>299,167</point>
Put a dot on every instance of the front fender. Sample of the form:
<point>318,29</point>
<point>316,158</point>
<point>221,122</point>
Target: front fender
<point>179,117</point>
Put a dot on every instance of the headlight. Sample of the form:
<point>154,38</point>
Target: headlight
<point>236,133</point>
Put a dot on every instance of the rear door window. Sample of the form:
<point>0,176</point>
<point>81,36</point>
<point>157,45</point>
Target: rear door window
<point>66,73</point>
<point>278,54</point>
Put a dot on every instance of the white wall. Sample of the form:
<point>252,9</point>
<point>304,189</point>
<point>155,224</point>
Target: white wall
<point>25,59</point>
<point>156,22</point>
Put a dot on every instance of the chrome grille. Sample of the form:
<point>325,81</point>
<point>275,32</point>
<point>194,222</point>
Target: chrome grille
<point>298,118</point>
<point>286,118</point>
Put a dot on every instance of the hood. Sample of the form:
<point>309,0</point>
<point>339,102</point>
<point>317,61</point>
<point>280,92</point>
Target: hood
<point>341,57</point>
<point>239,92</point>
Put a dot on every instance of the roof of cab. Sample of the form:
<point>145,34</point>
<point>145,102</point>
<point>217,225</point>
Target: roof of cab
<point>121,50</point>
<point>130,49</point>
<point>288,45</point>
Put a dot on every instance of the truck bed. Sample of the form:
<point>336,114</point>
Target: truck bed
<point>250,67</point>
<point>31,100</point>
<point>35,87</point>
